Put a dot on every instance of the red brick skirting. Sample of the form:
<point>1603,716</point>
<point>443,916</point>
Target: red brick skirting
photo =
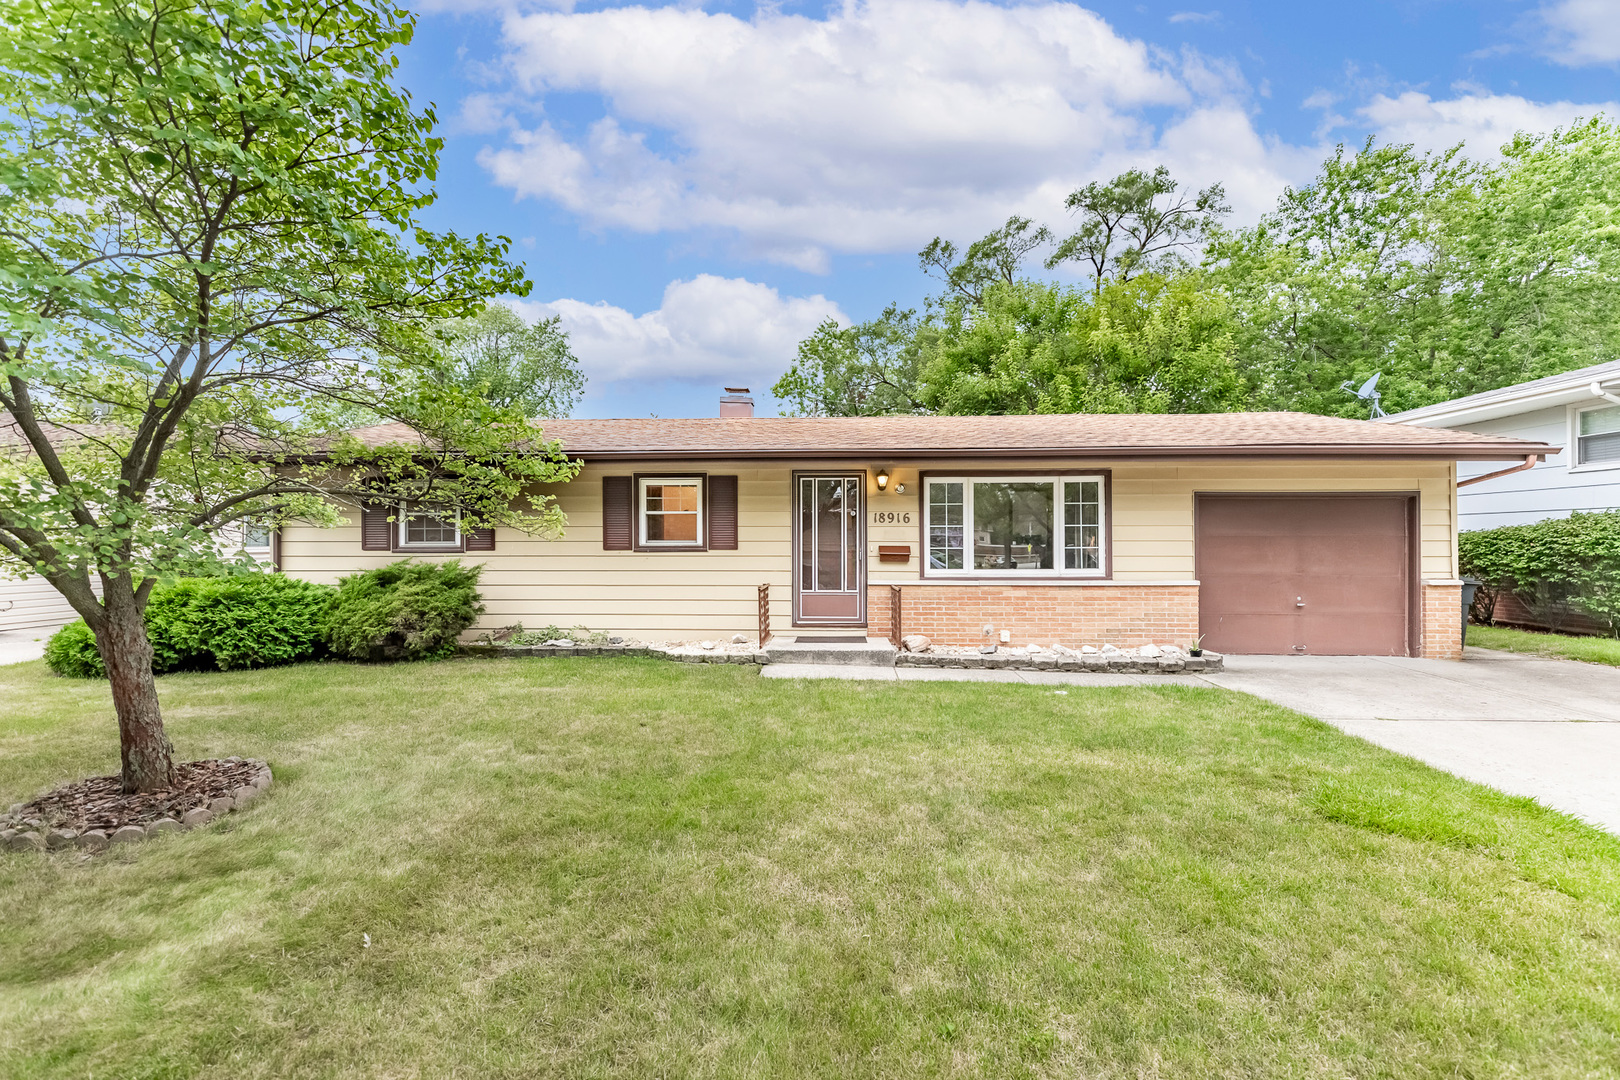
<point>1442,622</point>
<point>1073,615</point>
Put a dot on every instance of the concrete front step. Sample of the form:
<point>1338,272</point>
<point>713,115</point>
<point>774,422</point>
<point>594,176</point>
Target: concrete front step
<point>873,652</point>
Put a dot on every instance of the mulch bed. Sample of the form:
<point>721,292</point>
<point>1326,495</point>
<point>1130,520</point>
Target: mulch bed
<point>98,802</point>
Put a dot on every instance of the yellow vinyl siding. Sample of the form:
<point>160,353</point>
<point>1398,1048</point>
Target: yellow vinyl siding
<point>682,595</point>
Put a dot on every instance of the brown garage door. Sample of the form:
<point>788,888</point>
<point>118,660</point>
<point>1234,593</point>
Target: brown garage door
<point>1325,575</point>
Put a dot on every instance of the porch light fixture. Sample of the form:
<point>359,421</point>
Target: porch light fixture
<point>883,479</point>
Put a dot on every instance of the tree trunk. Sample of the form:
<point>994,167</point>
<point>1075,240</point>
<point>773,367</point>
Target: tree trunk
<point>148,756</point>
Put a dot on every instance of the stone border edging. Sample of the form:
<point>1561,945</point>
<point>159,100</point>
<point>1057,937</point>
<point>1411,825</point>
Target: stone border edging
<point>1120,663</point>
<point>757,656</point>
<point>93,840</point>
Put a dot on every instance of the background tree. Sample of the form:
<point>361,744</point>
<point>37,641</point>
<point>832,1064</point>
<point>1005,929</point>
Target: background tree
<point>998,257</point>
<point>1447,276</point>
<point>512,363</point>
<point>869,369</point>
<point>208,248</point>
<point>1137,223</point>
<point>1149,344</point>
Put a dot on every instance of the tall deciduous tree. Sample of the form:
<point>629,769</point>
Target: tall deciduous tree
<point>208,247</point>
<point>1138,222</point>
<point>869,369</point>
<point>1445,275</point>
<point>512,363</point>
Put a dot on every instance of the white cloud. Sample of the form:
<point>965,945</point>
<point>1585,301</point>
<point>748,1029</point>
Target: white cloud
<point>709,329</point>
<point>1481,120</point>
<point>872,129</point>
<point>1195,17</point>
<point>1581,32</point>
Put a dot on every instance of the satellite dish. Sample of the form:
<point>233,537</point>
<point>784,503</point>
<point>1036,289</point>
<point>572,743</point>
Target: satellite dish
<point>1368,393</point>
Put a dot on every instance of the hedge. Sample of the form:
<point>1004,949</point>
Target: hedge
<point>1553,567</point>
<point>404,611</point>
<point>251,620</point>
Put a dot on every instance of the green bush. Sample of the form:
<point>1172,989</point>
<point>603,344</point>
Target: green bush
<point>72,652</point>
<point>1554,567</point>
<point>254,620</point>
<point>404,611</point>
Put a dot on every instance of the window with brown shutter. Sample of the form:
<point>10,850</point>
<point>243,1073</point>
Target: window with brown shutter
<point>481,540</point>
<point>723,513</point>
<point>376,531</point>
<point>617,513</point>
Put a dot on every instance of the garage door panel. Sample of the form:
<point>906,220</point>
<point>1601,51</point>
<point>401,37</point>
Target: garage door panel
<point>1304,573</point>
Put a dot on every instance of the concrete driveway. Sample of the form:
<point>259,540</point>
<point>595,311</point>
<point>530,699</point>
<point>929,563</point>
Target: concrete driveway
<point>1549,729</point>
<point>19,645</point>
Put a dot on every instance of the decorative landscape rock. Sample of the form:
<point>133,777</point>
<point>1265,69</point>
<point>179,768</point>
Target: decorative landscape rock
<point>916,643</point>
<point>94,814</point>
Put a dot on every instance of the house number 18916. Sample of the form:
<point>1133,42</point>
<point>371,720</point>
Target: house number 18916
<point>891,517</point>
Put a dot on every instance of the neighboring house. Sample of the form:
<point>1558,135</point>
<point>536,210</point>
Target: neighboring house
<point>1264,532</point>
<point>1578,411</point>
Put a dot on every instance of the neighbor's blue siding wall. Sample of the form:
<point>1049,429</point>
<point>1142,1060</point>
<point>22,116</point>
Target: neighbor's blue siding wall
<point>1546,491</point>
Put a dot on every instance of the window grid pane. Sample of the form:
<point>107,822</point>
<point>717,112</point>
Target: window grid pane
<point>424,528</point>
<point>945,517</point>
<point>671,510</point>
<point>1082,525</point>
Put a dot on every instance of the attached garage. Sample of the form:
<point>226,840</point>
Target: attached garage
<point>1325,575</point>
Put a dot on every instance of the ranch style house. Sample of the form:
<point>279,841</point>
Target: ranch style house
<point>1257,532</point>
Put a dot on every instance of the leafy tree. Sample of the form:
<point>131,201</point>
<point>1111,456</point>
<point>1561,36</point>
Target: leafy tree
<point>208,248</point>
<point>997,257</point>
<point>1346,278</point>
<point>1446,276</point>
<point>1537,257</point>
<point>514,364</point>
<point>869,369</point>
<point>1136,223</point>
<point>1150,344</point>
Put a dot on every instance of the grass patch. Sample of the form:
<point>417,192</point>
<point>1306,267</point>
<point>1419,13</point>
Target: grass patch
<point>633,868</point>
<point>1593,650</point>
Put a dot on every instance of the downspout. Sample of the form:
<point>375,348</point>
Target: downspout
<point>1529,463</point>
<point>1598,391</point>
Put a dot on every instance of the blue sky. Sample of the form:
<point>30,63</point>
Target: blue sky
<point>693,187</point>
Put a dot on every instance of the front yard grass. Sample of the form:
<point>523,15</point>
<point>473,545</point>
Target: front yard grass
<point>632,868</point>
<point>1593,650</point>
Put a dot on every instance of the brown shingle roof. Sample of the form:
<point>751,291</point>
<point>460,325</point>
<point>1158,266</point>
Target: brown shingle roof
<point>1096,435</point>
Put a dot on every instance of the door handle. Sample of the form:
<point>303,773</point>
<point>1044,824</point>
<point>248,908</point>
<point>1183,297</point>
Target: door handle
<point>1299,601</point>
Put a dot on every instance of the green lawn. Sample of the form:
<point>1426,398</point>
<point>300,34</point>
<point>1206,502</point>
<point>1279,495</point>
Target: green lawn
<point>634,868</point>
<point>1594,650</point>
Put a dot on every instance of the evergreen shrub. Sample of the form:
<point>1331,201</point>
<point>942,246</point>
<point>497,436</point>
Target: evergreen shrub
<point>404,611</point>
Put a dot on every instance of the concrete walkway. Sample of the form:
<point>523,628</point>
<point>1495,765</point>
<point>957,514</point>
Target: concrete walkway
<point>16,646</point>
<point>1549,729</point>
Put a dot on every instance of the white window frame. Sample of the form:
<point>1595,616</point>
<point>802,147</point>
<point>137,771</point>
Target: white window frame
<point>405,515</point>
<point>1057,480</point>
<point>697,481</point>
<point>1574,444</point>
<point>247,538</point>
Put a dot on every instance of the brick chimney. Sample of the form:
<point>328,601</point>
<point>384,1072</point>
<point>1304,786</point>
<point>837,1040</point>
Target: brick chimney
<point>736,403</point>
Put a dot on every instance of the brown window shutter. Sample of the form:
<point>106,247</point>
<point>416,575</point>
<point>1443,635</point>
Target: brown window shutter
<point>723,513</point>
<point>275,549</point>
<point>376,531</point>
<point>481,540</point>
<point>618,511</point>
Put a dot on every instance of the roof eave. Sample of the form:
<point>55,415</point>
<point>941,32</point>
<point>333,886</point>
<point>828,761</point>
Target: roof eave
<point>1437,452</point>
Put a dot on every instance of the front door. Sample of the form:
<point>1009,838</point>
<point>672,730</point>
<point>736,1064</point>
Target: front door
<point>829,583</point>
